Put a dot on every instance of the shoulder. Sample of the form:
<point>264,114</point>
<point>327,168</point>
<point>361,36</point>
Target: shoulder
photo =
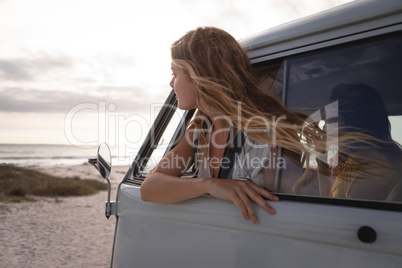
<point>251,144</point>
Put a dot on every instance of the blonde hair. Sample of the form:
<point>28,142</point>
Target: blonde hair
<point>222,71</point>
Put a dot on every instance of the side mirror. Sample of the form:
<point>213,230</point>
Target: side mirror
<point>103,163</point>
<point>104,160</point>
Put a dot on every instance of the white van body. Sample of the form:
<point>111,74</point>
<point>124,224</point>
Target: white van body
<point>307,231</point>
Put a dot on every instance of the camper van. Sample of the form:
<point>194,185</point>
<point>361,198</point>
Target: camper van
<point>300,63</point>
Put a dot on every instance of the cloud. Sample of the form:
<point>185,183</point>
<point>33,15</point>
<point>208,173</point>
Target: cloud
<point>30,68</point>
<point>13,69</point>
<point>128,99</point>
<point>59,69</point>
<point>243,18</point>
<point>52,82</point>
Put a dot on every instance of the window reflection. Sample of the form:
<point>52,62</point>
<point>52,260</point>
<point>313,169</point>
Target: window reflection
<point>365,81</point>
<point>368,169</point>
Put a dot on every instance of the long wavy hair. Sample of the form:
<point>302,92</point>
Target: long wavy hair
<point>226,83</point>
<point>222,71</point>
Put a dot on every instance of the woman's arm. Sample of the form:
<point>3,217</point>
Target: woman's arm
<point>164,184</point>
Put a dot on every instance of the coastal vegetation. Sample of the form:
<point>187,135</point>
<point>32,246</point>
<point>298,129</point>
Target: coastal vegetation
<point>23,184</point>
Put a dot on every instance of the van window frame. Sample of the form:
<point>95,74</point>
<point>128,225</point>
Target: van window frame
<point>136,177</point>
<point>366,203</point>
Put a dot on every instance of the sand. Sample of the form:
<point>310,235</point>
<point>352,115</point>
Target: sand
<point>59,232</point>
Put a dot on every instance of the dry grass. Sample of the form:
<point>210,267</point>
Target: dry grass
<point>21,184</point>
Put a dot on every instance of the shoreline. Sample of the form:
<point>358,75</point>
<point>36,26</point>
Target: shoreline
<point>84,171</point>
<point>60,231</point>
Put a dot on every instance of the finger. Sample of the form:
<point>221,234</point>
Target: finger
<point>262,203</point>
<point>263,192</point>
<point>249,206</point>
<point>254,194</point>
<point>240,205</point>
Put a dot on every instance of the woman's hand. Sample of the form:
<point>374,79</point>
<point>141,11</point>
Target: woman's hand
<point>241,192</point>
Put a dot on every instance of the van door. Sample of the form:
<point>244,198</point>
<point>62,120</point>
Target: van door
<point>310,229</point>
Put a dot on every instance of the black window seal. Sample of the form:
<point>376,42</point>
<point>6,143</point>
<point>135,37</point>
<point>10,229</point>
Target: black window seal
<point>154,134</point>
<point>359,203</point>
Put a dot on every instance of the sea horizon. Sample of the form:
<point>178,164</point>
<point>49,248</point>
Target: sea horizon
<point>31,154</point>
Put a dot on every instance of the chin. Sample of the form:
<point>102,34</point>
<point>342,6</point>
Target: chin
<point>184,107</point>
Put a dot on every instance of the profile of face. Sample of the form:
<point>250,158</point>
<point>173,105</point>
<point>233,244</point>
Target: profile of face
<point>185,89</point>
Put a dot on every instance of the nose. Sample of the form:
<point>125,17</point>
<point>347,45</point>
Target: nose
<point>171,82</point>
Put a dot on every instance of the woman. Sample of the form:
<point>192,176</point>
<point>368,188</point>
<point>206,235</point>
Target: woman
<point>212,73</point>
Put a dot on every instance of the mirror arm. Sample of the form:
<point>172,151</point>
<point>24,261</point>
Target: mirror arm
<point>93,162</point>
<point>108,210</point>
<point>104,167</point>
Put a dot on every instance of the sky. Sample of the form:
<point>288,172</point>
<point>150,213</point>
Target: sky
<point>82,72</point>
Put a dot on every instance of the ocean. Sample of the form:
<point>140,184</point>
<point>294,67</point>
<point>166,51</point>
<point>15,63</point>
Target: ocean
<point>49,155</point>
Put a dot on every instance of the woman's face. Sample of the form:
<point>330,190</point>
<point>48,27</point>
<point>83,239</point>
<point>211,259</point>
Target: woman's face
<point>185,89</point>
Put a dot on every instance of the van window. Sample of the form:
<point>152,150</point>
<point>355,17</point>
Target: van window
<point>271,77</point>
<point>168,139</point>
<point>348,89</point>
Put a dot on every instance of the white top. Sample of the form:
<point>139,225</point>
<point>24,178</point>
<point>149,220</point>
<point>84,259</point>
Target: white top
<point>248,163</point>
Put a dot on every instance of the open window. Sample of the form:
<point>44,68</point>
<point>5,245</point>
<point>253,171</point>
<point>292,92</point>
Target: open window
<point>165,133</point>
<point>306,83</point>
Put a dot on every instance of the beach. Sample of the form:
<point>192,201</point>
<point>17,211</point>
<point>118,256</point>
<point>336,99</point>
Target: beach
<point>61,231</point>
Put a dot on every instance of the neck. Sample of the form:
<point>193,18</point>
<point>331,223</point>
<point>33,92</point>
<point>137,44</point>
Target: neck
<point>218,121</point>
